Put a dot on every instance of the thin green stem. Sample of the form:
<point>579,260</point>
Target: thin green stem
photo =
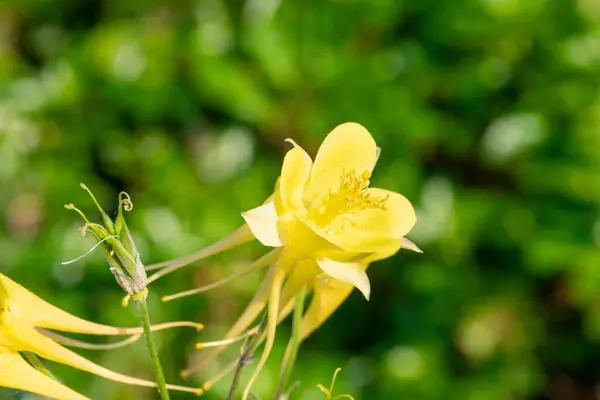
<point>145,319</point>
<point>37,364</point>
<point>246,356</point>
<point>292,350</point>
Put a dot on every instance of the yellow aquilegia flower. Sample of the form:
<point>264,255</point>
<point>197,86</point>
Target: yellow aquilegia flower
<point>327,218</point>
<point>326,224</point>
<point>22,314</point>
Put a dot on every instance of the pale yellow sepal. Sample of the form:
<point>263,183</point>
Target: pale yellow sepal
<point>262,221</point>
<point>351,273</point>
<point>328,295</point>
<point>407,244</point>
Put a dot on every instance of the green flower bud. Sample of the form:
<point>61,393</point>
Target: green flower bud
<point>119,247</point>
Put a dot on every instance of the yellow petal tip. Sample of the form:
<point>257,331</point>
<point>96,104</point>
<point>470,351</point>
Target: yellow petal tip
<point>292,142</point>
<point>409,245</point>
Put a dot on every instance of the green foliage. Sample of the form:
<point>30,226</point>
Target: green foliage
<point>487,113</point>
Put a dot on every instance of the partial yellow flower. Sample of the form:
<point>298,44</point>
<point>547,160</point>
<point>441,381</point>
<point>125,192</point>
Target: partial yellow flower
<point>328,219</point>
<point>327,225</point>
<point>22,313</point>
<point>326,211</point>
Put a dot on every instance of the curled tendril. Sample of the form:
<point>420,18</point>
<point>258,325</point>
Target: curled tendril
<point>125,201</point>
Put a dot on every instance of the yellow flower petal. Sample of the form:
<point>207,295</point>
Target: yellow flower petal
<point>329,294</point>
<point>15,373</point>
<point>407,244</point>
<point>377,154</point>
<point>349,147</point>
<point>295,172</point>
<point>374,230</point>
<point>23,337</point>
<point>262,221</point>
<point>351,273</point>
<point>301,274</point>
<point>29,307</point>
<point>38,312</point>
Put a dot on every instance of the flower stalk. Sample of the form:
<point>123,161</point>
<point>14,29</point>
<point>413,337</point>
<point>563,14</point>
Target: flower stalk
<point>142,307</point>
<point>129,271</point>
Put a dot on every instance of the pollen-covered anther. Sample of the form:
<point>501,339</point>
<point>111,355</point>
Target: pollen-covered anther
<point>354,189</point>
<point>352,196</point>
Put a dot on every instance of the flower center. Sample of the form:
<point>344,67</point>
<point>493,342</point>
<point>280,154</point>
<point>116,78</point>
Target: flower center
<point>352,196</point>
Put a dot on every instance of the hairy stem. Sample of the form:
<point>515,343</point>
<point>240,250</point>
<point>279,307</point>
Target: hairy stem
<point>142,306</point>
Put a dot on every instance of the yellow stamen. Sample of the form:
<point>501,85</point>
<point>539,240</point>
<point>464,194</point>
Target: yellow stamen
<point>351,196</point>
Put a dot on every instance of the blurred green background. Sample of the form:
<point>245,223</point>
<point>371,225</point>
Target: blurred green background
<point>487,112</point>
